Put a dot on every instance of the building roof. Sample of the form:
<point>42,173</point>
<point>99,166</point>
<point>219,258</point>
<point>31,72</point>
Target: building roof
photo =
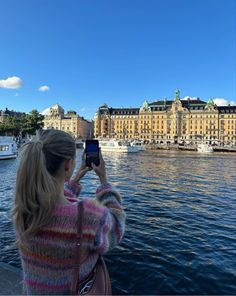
<point>193,102</point>
<point>161,105</point>
<point>227,109</point>
<point>46,111</point>
<point>123,111</point>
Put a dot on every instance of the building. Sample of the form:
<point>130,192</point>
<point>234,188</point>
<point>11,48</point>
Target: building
<point>5,114</point>
<point>169,121</point>
<point>70,122</point>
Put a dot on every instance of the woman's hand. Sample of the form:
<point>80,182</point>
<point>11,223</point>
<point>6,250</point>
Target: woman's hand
<point>100,170</point>
<point>82,170</point>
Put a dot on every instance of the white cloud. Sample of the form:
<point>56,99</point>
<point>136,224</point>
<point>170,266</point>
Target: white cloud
<point>16,95</point>
<point>223,102</point>
<point>82,110</point>
<point>45,111</point>
<point>11,82</point>
<point>44,88</point>
<point>191,98</point>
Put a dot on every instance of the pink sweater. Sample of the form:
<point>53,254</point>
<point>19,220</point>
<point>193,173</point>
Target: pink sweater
<point>48,258</point>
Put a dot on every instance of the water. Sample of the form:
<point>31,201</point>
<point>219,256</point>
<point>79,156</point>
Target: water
<point>181,221</point>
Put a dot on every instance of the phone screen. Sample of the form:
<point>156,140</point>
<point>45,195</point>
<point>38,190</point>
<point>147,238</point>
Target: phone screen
<point>92,152</point>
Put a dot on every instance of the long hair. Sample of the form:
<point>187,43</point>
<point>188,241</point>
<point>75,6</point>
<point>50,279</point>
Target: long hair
<point>37,189</point>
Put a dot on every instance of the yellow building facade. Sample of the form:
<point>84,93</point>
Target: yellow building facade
<point>70,122</point>
<point>169,121</point>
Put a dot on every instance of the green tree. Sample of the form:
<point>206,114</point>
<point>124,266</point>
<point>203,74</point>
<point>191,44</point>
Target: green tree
<point>31,122</point>
<point>26,124</point>
<point>36,120</point>
<point>10,127</point>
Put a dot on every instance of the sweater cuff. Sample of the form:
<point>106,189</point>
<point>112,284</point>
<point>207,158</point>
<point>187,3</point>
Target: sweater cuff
<point>73,187</point>
<point>107,188</point>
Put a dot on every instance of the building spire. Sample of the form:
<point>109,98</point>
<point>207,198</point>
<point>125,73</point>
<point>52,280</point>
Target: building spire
<point>177,93</point>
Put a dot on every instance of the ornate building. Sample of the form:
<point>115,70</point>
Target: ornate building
<point>70,122</point>
<point>169,121</point>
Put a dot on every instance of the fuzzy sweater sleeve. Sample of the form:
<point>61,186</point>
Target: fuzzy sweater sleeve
<point>72,189</point>
<point>104,220</point>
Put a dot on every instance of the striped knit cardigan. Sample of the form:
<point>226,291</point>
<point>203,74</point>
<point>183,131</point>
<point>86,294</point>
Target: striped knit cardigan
<point>48,258</point>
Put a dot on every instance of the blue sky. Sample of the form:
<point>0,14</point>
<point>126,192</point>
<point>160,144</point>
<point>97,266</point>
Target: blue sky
<point>118,52</point>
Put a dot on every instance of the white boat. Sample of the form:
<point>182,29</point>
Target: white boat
<point>114,145</point>
<point>204,148</point>
<point>139,145</point>
<point>79,143</point>
<point>8,148</point>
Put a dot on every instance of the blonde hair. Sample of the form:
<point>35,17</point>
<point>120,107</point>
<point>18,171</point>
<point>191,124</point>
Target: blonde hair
<point>37,189</point>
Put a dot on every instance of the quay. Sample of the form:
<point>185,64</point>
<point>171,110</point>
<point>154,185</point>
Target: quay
<point>169,147</point>
<point>224,149</point>
<point>187,148</point>
<point>10,280</point>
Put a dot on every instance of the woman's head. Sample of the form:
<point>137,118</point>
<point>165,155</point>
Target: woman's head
<point>46,161</point>
<point>58,148</point>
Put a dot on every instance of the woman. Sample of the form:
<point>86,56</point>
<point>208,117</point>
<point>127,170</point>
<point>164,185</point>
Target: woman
<point>45,214</point>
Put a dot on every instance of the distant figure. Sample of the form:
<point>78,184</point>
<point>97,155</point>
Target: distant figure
<point>45,214</point>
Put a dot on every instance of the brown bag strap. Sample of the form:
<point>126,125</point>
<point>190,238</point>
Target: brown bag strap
<point>76,272</point>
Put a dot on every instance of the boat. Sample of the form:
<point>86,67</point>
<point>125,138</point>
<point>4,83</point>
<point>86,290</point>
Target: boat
<point>116,145</point>
<point>8,148</point>
<point>138,144</point>
<point>204,148</point>
<point>79,143</point>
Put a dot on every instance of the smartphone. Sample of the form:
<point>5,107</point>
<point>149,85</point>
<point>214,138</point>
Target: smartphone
<point>92,153</point>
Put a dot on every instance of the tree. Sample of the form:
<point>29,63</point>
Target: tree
<point>31,122</point>
<point>25,124</point>
<point>11,126</point>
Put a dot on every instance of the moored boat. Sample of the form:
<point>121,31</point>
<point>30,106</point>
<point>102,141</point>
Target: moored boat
<point>204,148</point>
<point>8,148</point>
<point>138,144</point>
<point>116,145</point>
<point>79,143</point>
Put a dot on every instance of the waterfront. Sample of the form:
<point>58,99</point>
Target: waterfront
<point>181,230</point>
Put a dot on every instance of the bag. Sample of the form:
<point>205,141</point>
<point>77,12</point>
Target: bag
<point>98,282</point>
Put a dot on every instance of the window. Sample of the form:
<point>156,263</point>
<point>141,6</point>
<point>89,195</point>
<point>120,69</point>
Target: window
<point>4,147</point>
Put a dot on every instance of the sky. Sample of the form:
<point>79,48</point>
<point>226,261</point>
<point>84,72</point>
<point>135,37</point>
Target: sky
<point>84,53</point>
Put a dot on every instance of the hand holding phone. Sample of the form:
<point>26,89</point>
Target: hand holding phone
<point>82,170</point>
<point>92,153</point>
<point>101,169</point>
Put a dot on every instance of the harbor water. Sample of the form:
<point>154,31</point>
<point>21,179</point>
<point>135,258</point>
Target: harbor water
<point>181,221</point>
